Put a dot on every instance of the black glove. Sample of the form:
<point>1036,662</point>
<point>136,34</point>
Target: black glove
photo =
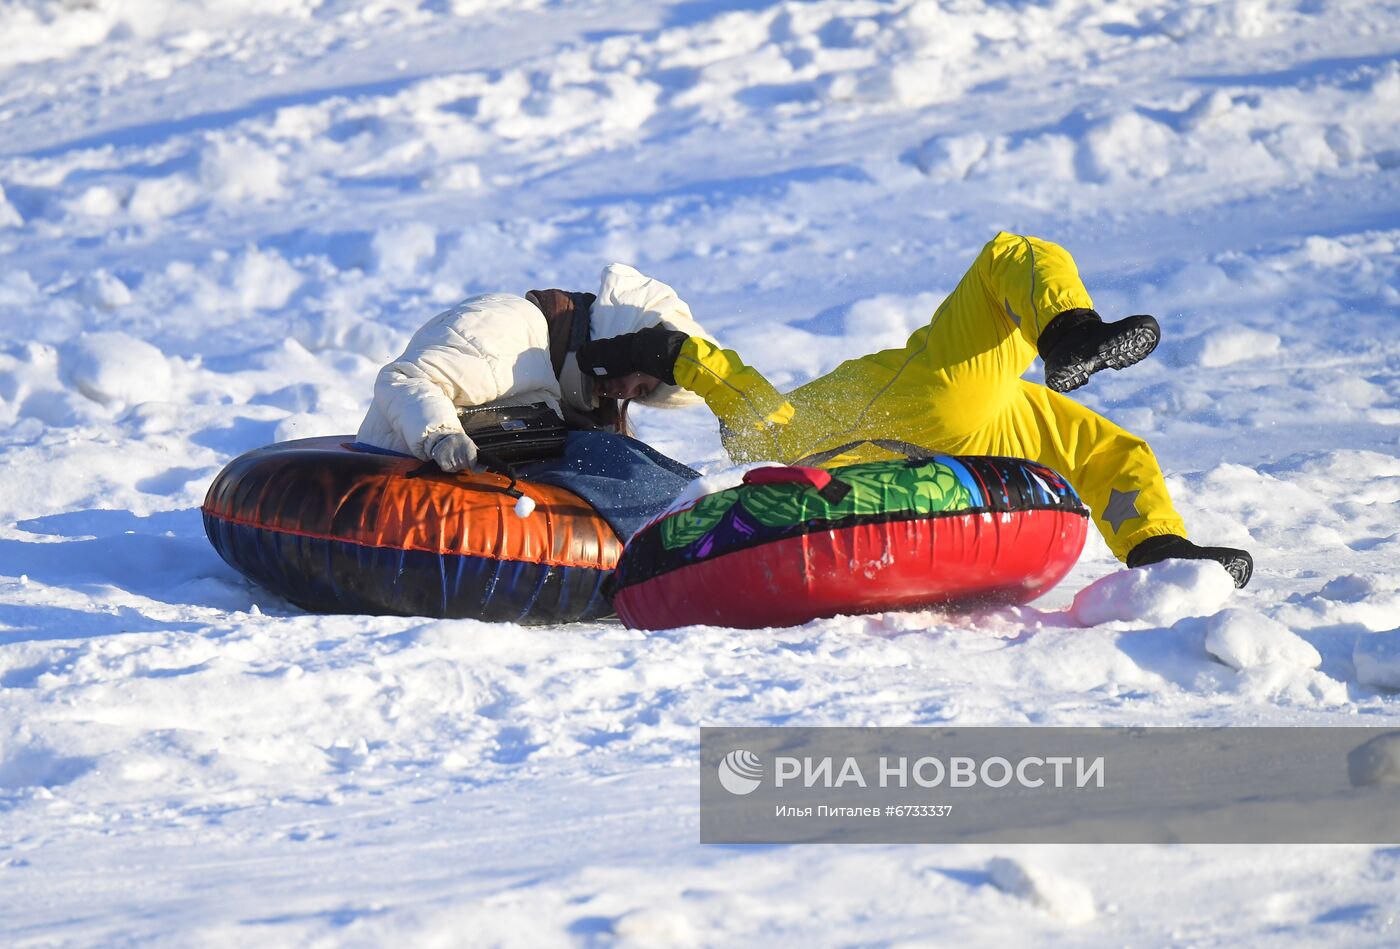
<point>652,351</point>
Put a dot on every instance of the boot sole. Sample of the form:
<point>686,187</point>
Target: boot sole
<point>1120,353</point>
<point>1240,569</point>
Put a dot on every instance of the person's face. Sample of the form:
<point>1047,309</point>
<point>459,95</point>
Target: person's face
<point>636,385</point>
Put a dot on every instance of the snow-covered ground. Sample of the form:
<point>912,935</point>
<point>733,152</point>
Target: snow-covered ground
<point>217,219</point>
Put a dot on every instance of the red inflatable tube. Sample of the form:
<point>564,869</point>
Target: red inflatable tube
<point>965,558</point>
<point>793,544</point>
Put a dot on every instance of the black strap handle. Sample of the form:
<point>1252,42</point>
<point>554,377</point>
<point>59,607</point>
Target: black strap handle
<point>494,462</point>
<point>486,461</point>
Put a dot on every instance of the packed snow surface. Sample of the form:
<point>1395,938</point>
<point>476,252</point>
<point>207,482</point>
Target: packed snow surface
<point>217,220</point>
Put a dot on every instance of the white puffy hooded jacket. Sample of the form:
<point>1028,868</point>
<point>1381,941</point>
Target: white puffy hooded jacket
<point>494,349</point>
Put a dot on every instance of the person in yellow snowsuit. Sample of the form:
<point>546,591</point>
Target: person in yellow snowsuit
<point>955,387</point>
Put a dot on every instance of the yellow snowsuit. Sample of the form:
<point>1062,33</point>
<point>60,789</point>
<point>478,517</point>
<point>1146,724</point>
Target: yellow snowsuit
<point>955,387</point>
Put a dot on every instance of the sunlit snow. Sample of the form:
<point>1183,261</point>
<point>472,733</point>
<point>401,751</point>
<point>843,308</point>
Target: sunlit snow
<point>217,220</point>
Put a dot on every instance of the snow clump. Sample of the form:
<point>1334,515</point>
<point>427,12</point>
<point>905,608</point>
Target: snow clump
<point>1377,659</point>
<point>1232,345</point>
<point>1158,594</point>
<point>1060,896</point>
<point>1375,762</point>
<point>113,367</point>
<point>9,217</point>
<point>654,927</point>
<point>1244,639</point>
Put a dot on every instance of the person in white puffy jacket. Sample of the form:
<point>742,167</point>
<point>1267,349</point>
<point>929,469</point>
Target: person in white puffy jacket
<point>502,349</point>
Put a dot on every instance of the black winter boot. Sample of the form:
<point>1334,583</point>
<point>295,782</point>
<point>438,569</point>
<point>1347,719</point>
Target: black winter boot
<point>1238,563</point>
<point>1078,343</point>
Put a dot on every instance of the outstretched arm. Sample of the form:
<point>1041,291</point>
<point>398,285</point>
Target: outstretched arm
<point>753,417</point>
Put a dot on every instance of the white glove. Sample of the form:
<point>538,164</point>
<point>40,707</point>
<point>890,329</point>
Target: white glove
<point>454,451</point>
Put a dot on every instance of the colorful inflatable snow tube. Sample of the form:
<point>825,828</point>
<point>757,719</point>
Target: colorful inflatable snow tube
<point>338,528</point>
<point>794,544</point>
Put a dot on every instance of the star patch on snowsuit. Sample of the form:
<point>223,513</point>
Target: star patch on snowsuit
<point>1121,508</point>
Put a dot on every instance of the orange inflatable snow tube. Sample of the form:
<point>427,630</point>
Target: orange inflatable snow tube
<point>338,527</point>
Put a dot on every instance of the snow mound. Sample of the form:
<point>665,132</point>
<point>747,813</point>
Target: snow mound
<point>105,290</point>
<point>655,927</point>
<point>1228,346</point>
<point>1244,639</point>
<point>154,199</point>
<point>1377,659</point>
<point>1128,146</point>
<point>401,248</point>
<point>951,157</point>
<point>1060,896</point>
<point>885,321</point>
<point>113,367</point>
<point>9,217</point>
<point>1158,594</point>
<point>239,171</point>
<point>1348,588</point>
<point>17,288</point>
<point>1375,762</point>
